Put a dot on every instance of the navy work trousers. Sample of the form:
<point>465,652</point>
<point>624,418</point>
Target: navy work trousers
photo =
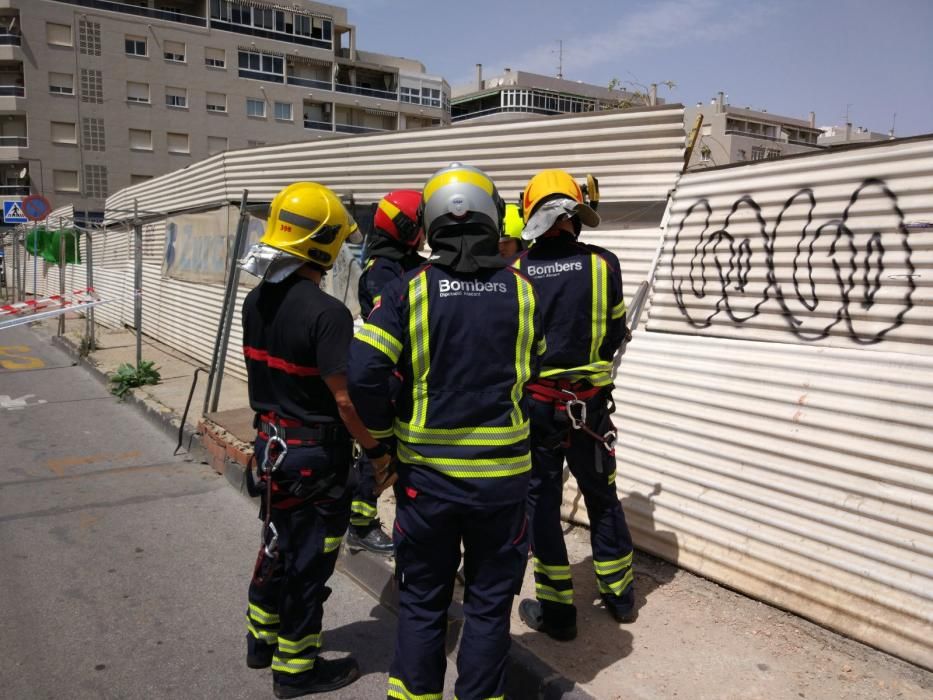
<point>594,468</point>
<point>285,612</point>
<point>428,534</point>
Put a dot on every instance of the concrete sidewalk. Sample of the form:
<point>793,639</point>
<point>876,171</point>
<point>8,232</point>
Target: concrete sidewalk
<point>692,639</point>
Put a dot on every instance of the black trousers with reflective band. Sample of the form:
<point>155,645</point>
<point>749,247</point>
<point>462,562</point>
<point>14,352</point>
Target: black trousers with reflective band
<point>428,533</point>
<point>594,469</point>
<point>285,612</point>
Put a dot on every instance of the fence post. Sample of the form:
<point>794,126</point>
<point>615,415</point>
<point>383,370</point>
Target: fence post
<point>215,376</point>
<point>138,282</point>
<point>89,281</point>
<point>14,270</point>
<point>61,274</point>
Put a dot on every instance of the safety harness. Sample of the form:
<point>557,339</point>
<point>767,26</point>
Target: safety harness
<point>569,399</point>
<point>280,433</point>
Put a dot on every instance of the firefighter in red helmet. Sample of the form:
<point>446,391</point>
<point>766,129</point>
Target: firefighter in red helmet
<point>390,251</point>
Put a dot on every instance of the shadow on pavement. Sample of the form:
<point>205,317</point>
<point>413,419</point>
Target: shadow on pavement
<point>370,641</point>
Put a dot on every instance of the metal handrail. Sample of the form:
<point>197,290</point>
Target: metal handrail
<point>319,126</point>
<point>10,39</point>
<point>12,91</point>
<point>353,129</point>
<point>14,142</point>
<point>309,82</point>
<point>368,92</point>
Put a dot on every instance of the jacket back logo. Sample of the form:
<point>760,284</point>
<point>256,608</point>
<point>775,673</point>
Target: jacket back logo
<point>470,288</point>
<point>553,269</point>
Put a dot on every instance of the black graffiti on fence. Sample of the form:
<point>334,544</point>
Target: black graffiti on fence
<point>859,271</point>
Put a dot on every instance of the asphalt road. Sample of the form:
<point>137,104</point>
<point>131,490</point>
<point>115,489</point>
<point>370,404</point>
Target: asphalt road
<point>124,570</point>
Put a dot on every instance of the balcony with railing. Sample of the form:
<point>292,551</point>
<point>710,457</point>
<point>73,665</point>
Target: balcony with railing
<point>12,79</point>
<point>318,125</point>
<point>367,82</point>
<point>14,142</point>
<point>187,11</point>
<point>14,190</point>
<point>10,38</point>
<point>357,129</point>
<point>312,83</point>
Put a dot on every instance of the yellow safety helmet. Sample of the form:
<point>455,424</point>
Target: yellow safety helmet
<point>554,186</point>
<point>513,225</point>
<point>308,221</point>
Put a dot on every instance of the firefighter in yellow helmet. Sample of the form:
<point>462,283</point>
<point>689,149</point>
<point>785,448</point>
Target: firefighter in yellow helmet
<point>295,341</point>
<point>510,240</point>
<point>579,288</point>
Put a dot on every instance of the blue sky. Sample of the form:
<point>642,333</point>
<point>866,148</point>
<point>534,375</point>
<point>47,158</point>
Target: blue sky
<point>787,56</point>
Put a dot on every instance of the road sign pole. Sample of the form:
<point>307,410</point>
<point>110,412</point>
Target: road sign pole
<point>35,260</point>
<point>62,250</point>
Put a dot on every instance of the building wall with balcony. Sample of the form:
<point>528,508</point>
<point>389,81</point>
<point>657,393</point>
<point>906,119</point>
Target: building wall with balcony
<point>116,93</point>
<point>731,134</point>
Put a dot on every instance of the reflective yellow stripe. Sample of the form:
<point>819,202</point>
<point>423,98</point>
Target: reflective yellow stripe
<point>548,593</point>
<point>616,587</point>
<point>267,636</point>
<point>289,647</point>
<point>261,616</point>
<point>555,572</point>
<point>387,433</point>
<point>420,356</point>
<point>372,261</point>
<point>467,176</point>
<point>523,343</point>
<point>465,468</point>
<point>484,435</point>
<point>380,339</point>
<point>599,305</point>
<point>376,300</point>
<point>390,209</point>
<point>542,346</point>
<point>596,373</point>
<point>291,665</point>
<point>332,543</point>
<point>612,477</point>
<point>398,690</point>
<point>363,508</point>
<point>611,567</point>
<point>517,264</point>
<point>618,311</point>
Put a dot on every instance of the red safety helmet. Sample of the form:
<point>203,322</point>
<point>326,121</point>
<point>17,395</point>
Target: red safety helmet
<point>397,217</point>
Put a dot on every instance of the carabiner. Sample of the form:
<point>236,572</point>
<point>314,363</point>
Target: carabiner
<point>577,420</point>
<point>272,547</point>
<point>269,465</point>
<point>609,440</point>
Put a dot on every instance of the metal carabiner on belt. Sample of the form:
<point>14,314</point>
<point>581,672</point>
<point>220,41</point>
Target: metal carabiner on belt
<point>577,420</point>
<point>271,547</point>
<point>269,465</point>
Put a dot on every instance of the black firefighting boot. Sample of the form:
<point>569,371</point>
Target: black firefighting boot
<point>624,613</point>
<point>327,675</point>
<point>370,537</point>
<point>556,620</point>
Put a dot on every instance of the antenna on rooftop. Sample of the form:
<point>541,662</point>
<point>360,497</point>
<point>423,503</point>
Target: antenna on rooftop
<point>893,123</point>
<point>560,59</point>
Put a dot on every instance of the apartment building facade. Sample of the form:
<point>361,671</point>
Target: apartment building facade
<point>730,134</point>
<point>516,93</point>
<point>96,95</point>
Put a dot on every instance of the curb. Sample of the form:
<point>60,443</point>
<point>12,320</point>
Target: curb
<point>529,677</point>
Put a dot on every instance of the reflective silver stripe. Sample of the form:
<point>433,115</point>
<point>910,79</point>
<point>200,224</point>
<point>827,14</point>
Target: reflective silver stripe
<point>380,339</point>
<point>472,435</point>
<point>420,348</point>
<point>522,346</point>
<point>466,468</point>
<point>290,217</point>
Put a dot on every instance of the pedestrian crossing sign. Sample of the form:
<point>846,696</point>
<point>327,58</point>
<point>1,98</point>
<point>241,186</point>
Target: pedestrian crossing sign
<point>13,212</point>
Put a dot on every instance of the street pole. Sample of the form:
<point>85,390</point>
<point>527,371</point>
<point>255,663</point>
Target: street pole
<point>89,282</point>
<point>218,361</point>
<point>35,260</point>
<point>138,282</point>
<point>15,268</point>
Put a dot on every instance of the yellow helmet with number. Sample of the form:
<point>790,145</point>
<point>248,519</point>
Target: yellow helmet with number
<point>308,221</point>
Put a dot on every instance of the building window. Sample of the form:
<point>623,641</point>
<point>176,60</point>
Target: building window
<point>89,37</point>
<point>255,108</point>
<point>254,144</point>
<point>216,144</point>
<point>64,132</point>
<point>283,111</point>
<point>773,153</point>
<point>65,180</point>
<point>137,179</point>
<point>137,92</point>
<point>431,97</point>
<point>61,83</point>
<point>92,86</point>
<point>58,34</point>
<point>705,153</point>
<point>95,181</point>
<point>140,139</point>
<point>135,46</point>
<point>176,97</point>
<point>92,134</point>
<point>173,51</point>
<point>758,153</point>
<point>216,102</point>
<point>261,66</point>
<point>410,94</point>
<point>215,58</point>
<point>177,143</point>
<point>321,29</point>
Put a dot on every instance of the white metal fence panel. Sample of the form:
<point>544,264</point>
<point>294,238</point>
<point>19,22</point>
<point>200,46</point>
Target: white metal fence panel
<point>776,413</point>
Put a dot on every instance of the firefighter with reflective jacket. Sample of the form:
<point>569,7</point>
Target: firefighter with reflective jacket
<point>296,340</point>
<point>464,333</point>
<point>391,250</point>
<point>579,289</point>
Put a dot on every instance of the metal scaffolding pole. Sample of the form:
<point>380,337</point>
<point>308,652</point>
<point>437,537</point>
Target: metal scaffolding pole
<point>138,282</point>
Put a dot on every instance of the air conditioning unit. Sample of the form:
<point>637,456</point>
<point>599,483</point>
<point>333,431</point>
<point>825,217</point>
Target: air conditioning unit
<point>327,107</point>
